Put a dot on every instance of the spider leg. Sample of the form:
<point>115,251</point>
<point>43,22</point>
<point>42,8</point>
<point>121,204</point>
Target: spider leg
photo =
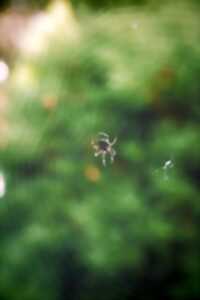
<point>112,155</point>
<point>97,153</point>
<point>94,145</point>
<point>103,134</point>
<point>114,141</point>
<point>104,158</point>
<point>104,140</point>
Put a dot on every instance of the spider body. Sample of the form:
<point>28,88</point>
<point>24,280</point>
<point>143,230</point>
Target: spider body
<point>103,146</point>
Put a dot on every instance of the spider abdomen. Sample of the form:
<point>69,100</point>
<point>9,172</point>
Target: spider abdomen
<point>103,145</point>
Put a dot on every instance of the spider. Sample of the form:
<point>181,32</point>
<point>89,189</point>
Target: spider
<point>103,146</point>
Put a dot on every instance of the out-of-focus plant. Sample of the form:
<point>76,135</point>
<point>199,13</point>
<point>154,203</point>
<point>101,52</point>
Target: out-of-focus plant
<point>134,75</point>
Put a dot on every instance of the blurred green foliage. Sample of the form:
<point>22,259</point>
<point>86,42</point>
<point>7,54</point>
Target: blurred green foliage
<point>94,4</point>
<point>108,3</point>
<point>70,227</point>
<point>31,4</point>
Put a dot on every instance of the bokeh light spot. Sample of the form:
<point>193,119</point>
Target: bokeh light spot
<point>92,173</point>
<point>4,71</point>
